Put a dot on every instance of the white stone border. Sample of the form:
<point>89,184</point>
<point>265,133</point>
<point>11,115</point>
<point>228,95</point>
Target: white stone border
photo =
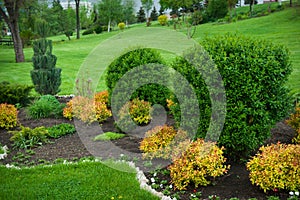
<point>3,155</point>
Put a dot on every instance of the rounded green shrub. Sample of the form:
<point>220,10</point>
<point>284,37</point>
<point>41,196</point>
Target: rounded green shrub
<point>254,73</point>
<point>153,93</point>
<point>45,106</point>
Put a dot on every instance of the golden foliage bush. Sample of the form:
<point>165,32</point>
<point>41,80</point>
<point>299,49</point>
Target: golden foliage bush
<point>276,167</point>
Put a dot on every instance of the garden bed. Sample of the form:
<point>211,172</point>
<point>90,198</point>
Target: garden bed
<point>234,184</point>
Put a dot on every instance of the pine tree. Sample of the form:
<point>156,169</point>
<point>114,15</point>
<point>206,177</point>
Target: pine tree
<point>154,14</point>
<point>141,16</point>
<point>45,77</point>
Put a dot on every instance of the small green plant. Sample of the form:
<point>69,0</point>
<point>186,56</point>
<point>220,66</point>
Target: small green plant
<point>294,122</point>
<point>199,162</point>
<point>195,195</point>
<point>29,138</point>
<point>163,20</point>
<point>276,167</point>
<point>8,116</point>
<point>109,136</point>
<point>61,130</point>
<point>273,198</point>
<point>46,106</point>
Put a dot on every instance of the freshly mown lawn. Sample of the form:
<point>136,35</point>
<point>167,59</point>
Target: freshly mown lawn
<point>281,27</point>
<point>84,180</point>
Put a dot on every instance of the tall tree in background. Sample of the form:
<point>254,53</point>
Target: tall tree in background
<point>85,19</point>
<point>9,10</point>
<point>147,4</point>
<point>128,11</point>
<point>175,5</point>
<point>77,2</point>
<point>231,5</point>
<point>109,11</point>
<point>217,9</point>
<point>68,22</point>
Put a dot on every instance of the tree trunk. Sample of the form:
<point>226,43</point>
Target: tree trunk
<point>108,27</point>
<point>77,19</point>
<point>11,19</point>
<point>18,45</point>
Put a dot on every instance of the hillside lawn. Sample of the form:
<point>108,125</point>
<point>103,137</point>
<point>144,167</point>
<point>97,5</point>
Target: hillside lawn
<point>281,28</point>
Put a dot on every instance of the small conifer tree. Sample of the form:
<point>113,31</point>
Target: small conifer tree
<point>141,16</point>
<point>45,76</point>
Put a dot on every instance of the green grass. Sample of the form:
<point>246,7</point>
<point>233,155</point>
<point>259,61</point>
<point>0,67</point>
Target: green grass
<point>76,181</point>
<point>280,27</point>
<point>109,136</point>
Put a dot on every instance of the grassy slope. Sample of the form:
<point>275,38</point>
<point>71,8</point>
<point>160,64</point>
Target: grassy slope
<point>281,28</point>
<point>76,181</point>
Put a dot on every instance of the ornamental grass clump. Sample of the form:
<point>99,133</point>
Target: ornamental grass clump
<point>198,165</point>
<point>46,106</point>
<point>276,167</point>
<point>8,116</point>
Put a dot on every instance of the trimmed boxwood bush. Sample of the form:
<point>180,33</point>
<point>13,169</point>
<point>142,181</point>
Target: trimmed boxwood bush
<point>153,93</point>
<point>254,73</point>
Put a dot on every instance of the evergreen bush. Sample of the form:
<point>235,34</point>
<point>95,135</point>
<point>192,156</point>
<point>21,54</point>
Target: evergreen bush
<point>15,93</point>
<point>45,76</point>
<point>254,73</point>
<point>153,93</point>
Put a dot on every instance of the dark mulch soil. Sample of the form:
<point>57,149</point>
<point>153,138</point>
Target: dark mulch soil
<point>73,147</point>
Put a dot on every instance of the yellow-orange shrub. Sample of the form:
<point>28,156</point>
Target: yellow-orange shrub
<point>276,167</point>
<point>8,116</point>
<point>197,164</point>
